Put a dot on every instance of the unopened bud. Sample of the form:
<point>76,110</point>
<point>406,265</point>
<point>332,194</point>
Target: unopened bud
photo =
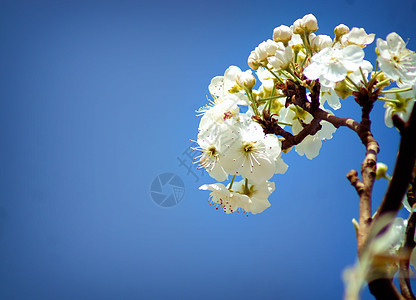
<point>382,78</point>
<point>282,34</point>
<point>340,30</point>
<point>320,42</point>
<point>261,51</point>
<point>310,23</point>
<point>245,79</point>
<point>297,27</point>
<point>253,61</point>
<point>381,171</point>
<point>271,47</point>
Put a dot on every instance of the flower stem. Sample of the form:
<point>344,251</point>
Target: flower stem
<point>283,123</point>
<point>273,97</point>
<point>397,90</point>
<point>274,74</point>
<point>288,70</point>
<point>364,79</point>
<point>383,82</point>
<point>352,82</point>
<point>246,191</point>
<point>231,183</point>
<point>304,60</point>
<point>253,103</point>
<point>388,100</point>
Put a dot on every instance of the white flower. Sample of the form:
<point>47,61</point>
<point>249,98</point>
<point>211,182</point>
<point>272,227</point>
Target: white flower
<point>281,166</point>
<point>252,154</point>
<point>330,96</point>
<point>223,110</point>
<point>340,30</point>
<point>228,201</point>
<point>211,144</point>
<point>333,64</point>
<point>267,48</point>
<point>357,36</point>
<point>403,107</point>
<point>266,79</point>
<point>320,42</point>
<point>282,34</point>
<point>395,60</point>
<point>296,40</point>
<point>257,193</point>
<point>297,27</point>
<point>309,23</point>
<point>253,60</point>
<point>245,79</point>
<point>226,85</point>
<point>282,58</point>
<point>253,198</point>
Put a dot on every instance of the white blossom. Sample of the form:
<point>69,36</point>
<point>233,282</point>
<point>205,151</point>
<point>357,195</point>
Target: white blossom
<point>403,107</point>
<point>320,42</point>
<point>252,154</point>
<point>333,64</point>
<point>211,145</point>
<point>328,95</point>
<point>357,36</point>
<point>257,193</point>
<point>282,59</point>
<point>282,34</point>
<point>395,60</point>
<point>228,201</point>
<point>223,110</point>
<point>245,79</point>
<point>340,30</point>
<point>309,23</point>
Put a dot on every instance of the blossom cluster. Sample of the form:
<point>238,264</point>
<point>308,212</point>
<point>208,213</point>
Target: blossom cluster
<point>233,143</point>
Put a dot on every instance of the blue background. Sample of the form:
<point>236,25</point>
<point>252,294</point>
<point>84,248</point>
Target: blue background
<point>98,98</point>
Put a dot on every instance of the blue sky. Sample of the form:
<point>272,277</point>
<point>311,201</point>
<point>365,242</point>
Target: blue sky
<point>99,98</point>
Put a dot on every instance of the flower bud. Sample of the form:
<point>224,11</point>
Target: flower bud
<point>261,51</point>
<point>340,30</point>
<point>297,27</point>
<point>245,79</point>
<point>310,23</point>
<point>282,34</point>
<point>381,171</point>
<point>282,59</point>
<point>253,61</point>
<point>271,47</point>
<point>381,77</point>
<point>320,42</point>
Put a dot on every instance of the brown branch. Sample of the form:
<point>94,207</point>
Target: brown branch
<point>401,178</point>
<point>384,289</point>
<point>312,128</point>
<point>402,174</point>
<point>270,125</point>
<point>368,173</point>
<point>355,181</point>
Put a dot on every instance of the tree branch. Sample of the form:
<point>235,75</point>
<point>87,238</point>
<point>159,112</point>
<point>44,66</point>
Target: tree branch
<point>402,174</point>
